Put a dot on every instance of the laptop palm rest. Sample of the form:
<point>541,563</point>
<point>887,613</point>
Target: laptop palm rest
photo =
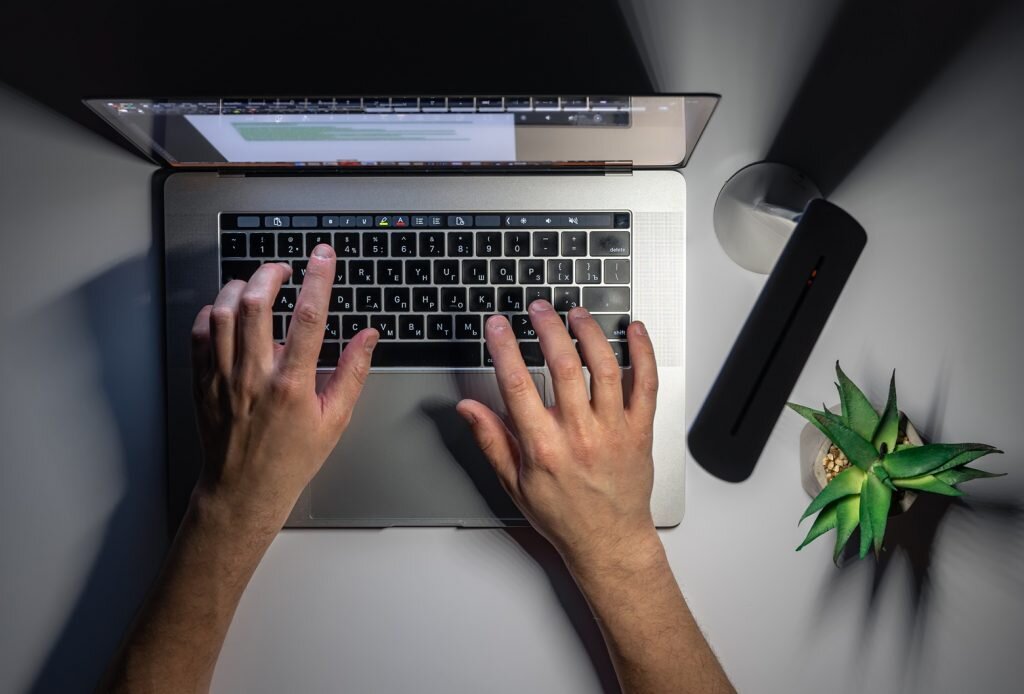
<point>408,458</point>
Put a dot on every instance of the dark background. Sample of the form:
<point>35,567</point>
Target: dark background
<point>60,53</point>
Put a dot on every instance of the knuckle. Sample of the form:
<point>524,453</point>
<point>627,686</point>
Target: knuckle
<point>565,367</point>
<point>222,316</point>
<point>648,385</point>
<point>605,372</point>
<point>285,386</point>
<point>252,303</point>
<point>518,383</point>
<point>308,314</point>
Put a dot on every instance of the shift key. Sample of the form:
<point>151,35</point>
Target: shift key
<point>606,299</point>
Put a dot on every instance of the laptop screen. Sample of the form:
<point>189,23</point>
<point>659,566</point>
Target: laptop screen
<point>414,132</point>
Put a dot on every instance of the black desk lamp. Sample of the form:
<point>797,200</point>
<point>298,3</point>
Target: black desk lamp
<point>755,211</point>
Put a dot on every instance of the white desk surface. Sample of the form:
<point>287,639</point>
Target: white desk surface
<point>936,295</point>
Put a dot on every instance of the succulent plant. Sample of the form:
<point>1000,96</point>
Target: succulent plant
<point>880,466</point>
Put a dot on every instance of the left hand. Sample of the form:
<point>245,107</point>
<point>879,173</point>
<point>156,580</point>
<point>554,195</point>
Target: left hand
<point>265,430</point>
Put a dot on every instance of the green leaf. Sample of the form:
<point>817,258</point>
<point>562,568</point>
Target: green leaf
<point>808,414</point>
<point>928,483</point>
<point>857,449</point>
<point>858,414</point>
<point>888,430</point>
<point>964,474</point>
<point>825,521</point>
<point>874,513</point>
<point>847,519</point>
<point>932,458</point>
<point>846,483</point>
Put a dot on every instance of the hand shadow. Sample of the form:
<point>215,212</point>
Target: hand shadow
<point>458,439</point>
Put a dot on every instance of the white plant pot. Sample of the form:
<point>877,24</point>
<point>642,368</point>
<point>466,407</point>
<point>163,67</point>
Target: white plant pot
<point>813,447</point>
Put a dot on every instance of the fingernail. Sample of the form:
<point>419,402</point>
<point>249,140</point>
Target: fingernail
<point>641,329</point>
<point>371,341</point>
<point>496,322</point>
<point>322,251</point>
<point>286,266</point>
<point>540,305</point>
<point>579,312</point>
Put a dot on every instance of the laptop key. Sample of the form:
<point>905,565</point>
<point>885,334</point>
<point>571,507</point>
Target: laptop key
<point>417,272</point>
<point>330,352</point>
<point>445,354</point>
<point>503,272</point>
<point>481,299</point>
<point>460,243</point>
<point>535,293</point>
<point>616,271</point>
<point>346,244</point>
<point>510,299</point>
<point>389,271</point>
<point>439,327</point>
<point>360,271</point>
<point>278,328</point>
<point>315,238</point>
<point>588,271</point>
<point>410,327</point>
<point>453,299</point>
<point>290,245</point>
<point>375,245</point>
<point>285,301</point>
<point>560,271</point>
<point>488,244</point>
<point>574,243</point>
<point>523,327</point>
<point>261,245</point>
<point>474,271</point>
<point>341,299</point>
<point>566,298</point>
<point>396,299</point>
<point>517,243</point>
<point>299,270</point>
<point>606,299</point>
<point>532,354</point>
<point>545,243</point>
<point>612,242</point>
<point>332,328</point>
<point>446,271</point>
<point>237,270</point>
<point>468,327</point>
<point>531,271</point>
<point>232,245</point>
<point>619,349</point>
<point>424,299</point>
<point>351,325</point>
<point>386,325</point>
<point>431,244</point>
<point>368,299</point>
<point>403,245</point>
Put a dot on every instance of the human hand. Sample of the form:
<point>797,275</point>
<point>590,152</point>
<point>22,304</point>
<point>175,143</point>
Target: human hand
<point>581,471</point>
<point>265,430</point>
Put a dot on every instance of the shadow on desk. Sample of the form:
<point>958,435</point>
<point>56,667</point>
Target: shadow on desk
<point>122,310</point>
<point>458,438</point>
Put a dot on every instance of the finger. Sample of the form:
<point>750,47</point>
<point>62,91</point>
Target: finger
<point>494,439</point>
<point>645,375</point>
<point>255,318</point>
<point>514,382</point>
<point>605,376</point>
<point>223,318</point>
<point>563,363</point>
<point>342,390</point>
<point>201,356</point>
<point>306,332</point>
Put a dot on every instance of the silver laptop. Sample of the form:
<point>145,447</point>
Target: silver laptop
<point>442,210</point>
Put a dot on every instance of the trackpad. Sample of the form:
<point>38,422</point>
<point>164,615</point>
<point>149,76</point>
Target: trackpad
<point>408,458</point>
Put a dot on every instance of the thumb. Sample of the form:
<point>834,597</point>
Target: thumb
<point>494,439</point>
<point>346,383</point>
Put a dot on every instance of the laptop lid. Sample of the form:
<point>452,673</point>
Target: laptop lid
<point>414,133</point>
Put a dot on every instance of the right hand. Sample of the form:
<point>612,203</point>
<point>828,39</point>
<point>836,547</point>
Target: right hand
<point>581,471</point>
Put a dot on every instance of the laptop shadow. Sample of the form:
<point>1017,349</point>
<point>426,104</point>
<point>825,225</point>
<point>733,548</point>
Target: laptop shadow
<point>122,311</point>
<point>458,439</point>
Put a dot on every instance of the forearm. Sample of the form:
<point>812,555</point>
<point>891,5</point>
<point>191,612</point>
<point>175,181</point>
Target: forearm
<point>654,642</point>
<point>175,640</point>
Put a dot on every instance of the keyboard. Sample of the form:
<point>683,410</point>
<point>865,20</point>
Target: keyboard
<point>428,281</point>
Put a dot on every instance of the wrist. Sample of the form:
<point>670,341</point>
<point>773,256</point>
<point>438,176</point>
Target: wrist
<point>218,512</point>
<point>625,557</point>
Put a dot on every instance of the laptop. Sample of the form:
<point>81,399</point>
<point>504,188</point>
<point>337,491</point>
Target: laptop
<point>442,211</point>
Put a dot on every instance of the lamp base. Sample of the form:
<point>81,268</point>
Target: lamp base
<point>757,210</point>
